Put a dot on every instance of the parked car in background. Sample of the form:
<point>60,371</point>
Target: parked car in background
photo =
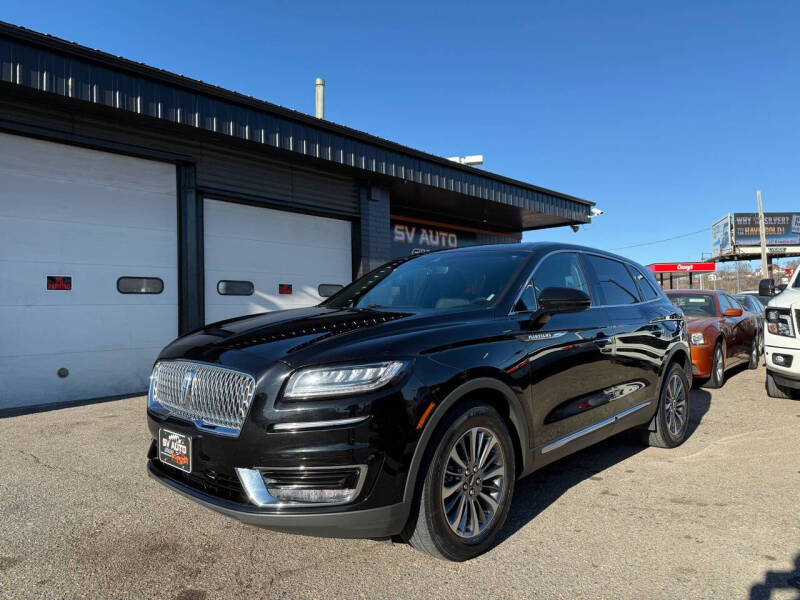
<point>411,401</point>
<point>764,300</point>
<point>721,333</point>
<point>781,343</point>
<point>753,304</point>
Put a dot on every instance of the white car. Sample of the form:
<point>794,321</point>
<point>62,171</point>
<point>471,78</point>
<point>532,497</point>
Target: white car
<point>781,341</point>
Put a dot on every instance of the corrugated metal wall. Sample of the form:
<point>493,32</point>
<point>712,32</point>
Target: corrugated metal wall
<point>278,182</point>
<point>59,73</point>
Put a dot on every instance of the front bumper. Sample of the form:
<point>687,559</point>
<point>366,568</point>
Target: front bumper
<point>790,373</point>
<point>702,359</point>
<point>380,522</point>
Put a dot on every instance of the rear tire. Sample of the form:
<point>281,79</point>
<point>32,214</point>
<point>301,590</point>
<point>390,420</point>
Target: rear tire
<point>776,391</point>
<point>447,520</point>
<point>672,415</point>
<point>754,355</point>
<point>717,378</point>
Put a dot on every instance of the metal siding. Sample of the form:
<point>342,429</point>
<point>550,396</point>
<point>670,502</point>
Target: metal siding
<point>50,71</point>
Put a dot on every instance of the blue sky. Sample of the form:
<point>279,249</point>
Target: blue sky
<point>666,114</point>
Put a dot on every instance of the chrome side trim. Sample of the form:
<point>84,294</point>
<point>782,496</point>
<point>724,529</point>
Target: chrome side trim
<point>592,428</point>
<point>252,481</point>
<point>318,424</point>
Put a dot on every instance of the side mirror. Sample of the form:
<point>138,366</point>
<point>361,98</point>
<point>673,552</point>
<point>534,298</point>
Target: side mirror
<point>766,287</point>
<point>554,300</point>
<point>733,312</point>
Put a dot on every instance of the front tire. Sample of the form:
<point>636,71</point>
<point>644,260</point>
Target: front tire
<point>466,493</point>
<point>754,355</point>
<point>776,391</point>
<point>672,416</point>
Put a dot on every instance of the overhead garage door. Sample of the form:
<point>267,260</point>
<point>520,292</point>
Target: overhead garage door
<point>258,259</point>
<point>76,221</point>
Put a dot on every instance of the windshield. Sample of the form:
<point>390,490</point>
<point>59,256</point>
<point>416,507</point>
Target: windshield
<point>697,305</point>
<point>442,281</point>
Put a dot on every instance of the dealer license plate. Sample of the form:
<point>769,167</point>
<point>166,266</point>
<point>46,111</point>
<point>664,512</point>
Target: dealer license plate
<point>175,449</point>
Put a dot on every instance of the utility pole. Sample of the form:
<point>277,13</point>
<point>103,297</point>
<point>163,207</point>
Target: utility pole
<point>763,235</point>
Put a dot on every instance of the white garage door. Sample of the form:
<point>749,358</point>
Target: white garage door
<point>81,219</point>
<point>258,259</point>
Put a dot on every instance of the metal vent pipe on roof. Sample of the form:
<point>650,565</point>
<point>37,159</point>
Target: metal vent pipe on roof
<point>320,87</point>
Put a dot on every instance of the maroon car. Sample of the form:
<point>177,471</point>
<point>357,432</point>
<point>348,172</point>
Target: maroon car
<point>722,333</point>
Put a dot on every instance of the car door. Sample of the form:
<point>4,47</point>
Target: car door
<point>569,357</point>
<point>639,336</point>
<point>734,328</point>
<point>746,326</point>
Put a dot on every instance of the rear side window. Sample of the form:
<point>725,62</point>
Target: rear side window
<point>616,286</point>
<point>645,286</point>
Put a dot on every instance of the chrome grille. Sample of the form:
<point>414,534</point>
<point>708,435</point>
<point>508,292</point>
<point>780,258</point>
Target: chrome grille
<point>204,394</point>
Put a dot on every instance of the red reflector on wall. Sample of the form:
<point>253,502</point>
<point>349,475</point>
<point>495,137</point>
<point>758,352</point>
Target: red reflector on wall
<point>59,282</point>
<point>284,288</point>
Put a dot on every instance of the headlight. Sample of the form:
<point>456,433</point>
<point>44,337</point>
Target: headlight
<point>314,382</point>
<point>779,322</point>
<point>697,339</point>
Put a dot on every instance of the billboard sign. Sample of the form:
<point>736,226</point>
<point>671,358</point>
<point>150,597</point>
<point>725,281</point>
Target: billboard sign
<point>781,229</point>
<point>721,236</point>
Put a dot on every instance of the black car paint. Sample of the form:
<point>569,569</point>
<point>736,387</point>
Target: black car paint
<point>545,373</point>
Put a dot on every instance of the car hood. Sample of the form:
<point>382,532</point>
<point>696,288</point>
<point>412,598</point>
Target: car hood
<point>786,298</point>
<point>697,323</point>
<point>298,336</point>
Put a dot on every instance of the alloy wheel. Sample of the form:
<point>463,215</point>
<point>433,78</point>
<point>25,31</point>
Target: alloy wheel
<point>473,482</point>
<point>719,365</point>
<point>675,406</point>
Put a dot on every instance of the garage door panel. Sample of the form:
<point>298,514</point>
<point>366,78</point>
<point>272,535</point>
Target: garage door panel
<point>295,229</point>
<point>250,255</point>
<point>270,248</point>
<point>36,381</point>
<point>26,284</point>
<point>41,240</point>
<point>146,210</point>
<point>44,330</point>
<point>71,164</point>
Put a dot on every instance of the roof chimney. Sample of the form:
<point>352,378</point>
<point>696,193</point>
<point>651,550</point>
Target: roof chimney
<point>320,87</point>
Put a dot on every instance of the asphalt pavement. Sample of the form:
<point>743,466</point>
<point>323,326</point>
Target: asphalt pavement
<point>716,518</point>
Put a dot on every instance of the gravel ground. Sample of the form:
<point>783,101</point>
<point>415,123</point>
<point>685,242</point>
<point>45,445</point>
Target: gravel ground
<point>715,518</point>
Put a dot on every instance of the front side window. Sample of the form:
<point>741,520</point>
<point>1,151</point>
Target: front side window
<point>725,303</point>
<point>557,270</point>
<point>446,280</point>
<point>615,282</point>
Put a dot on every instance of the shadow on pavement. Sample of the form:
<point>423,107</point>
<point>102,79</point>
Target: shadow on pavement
<point>778,580</point>
<point>542,488</point>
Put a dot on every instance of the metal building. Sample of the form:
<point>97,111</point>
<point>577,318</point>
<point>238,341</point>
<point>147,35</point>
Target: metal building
<point>137,204</point>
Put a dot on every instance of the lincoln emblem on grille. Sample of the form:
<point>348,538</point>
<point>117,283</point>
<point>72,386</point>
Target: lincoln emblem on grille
<point>186,388</point>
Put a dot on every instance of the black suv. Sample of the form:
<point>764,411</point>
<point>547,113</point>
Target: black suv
<point>410,402</point>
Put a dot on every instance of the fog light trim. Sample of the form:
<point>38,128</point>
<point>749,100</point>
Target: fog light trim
<point>262,491</point>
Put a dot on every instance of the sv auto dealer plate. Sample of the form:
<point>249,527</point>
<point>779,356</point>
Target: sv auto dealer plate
<point>175,449</point>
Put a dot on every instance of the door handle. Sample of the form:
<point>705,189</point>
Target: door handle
<point>602,341</point>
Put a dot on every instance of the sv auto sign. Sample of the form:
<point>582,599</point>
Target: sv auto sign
<point>415,238</point>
